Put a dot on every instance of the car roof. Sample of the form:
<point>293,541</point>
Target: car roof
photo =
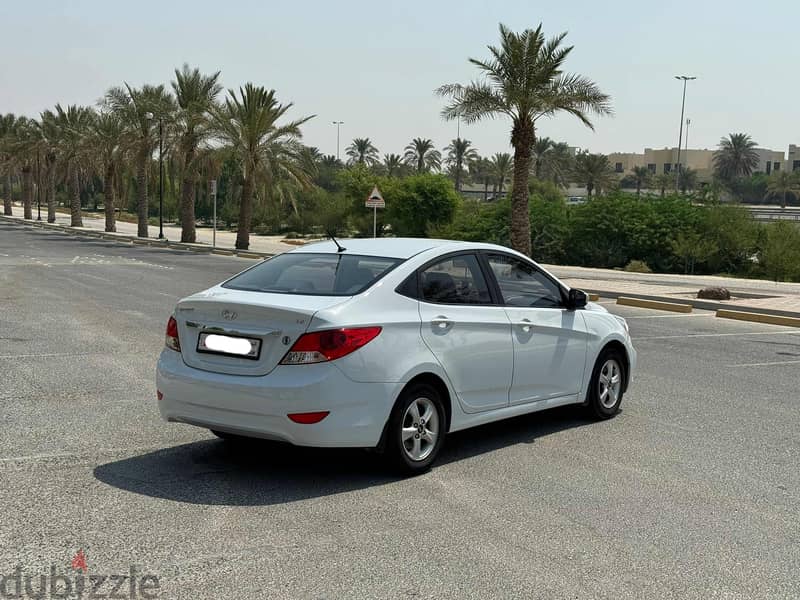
<point>389,247</point>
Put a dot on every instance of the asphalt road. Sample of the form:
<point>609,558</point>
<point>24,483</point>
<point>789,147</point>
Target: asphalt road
<point>693,491</point>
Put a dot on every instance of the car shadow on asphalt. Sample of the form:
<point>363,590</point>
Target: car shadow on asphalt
<point>260,472</point>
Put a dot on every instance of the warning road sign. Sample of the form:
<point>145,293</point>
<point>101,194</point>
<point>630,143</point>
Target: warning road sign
<point>375,199</point>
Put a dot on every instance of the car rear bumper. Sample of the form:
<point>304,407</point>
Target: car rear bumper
<point>258,406</point>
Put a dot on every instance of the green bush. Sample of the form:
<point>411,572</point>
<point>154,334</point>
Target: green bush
<point>638,266</point>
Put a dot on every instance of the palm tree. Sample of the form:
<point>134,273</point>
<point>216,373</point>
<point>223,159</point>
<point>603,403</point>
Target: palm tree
<point>73,123</point>
<point>481,172</point>
<point>501,166</point>
<point>195,94</point>
<point>783,183</point>
<point>664,181</point>
<point>687,179</point>
<point>49,132</point>
<point>422,156</point>
<point>22,146</point>
<point>8,127</point>
<point>107,133</point>
<point>541,147</point>
<point>362,151</point>
<point>557,164</point>
<point>642,176</point>
<point>247,124</point>
<point>594,171</point>
<point>393,163</point>
<point>525,81</point>
<point>736,157</point>
<point>460,155</point>
<point>141,110</point>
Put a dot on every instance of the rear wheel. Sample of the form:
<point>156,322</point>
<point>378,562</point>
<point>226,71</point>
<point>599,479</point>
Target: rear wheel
<point>606,387</point>
<point>416,429</point>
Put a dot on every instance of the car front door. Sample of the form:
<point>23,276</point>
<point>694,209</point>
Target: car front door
<point>549,339</point>
<point>468,334</point>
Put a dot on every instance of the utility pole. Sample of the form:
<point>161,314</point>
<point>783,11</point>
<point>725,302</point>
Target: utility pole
<point>685,79</point>
<point>338,124</point>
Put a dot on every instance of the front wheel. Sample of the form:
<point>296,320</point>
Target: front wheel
<point>416,429</point>
<point>606,387</point>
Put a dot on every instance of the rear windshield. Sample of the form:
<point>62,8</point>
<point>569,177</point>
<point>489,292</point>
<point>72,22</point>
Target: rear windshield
<point>314,274</point>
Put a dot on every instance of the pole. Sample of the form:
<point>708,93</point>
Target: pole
<point>337,123</point>
<point>688,122</point>
<point>160,178</point>
<point>685,79</point>
<point>374,221</point>
<point>38,188</point>
<point>214,198</point>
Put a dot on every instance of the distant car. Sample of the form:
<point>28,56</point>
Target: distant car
<point>388,344</point>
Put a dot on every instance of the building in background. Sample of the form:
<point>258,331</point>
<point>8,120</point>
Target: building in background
<point>701,160</point>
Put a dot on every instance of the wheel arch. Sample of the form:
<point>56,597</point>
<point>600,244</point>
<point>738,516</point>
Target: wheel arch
<point>434,381</point>
<point>619,347</point>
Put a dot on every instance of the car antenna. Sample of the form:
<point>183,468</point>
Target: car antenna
<point>339,247</point>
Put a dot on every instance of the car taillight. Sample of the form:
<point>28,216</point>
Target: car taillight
<point>171,340</point>
<point>322,346</point>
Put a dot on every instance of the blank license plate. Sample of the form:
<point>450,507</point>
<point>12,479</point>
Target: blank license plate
<point>215,343</point>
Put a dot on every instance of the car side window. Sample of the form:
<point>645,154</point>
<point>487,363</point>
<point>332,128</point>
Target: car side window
<point>522,285</point>
<point>455,280</point>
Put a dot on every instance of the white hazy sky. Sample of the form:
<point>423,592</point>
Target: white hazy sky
<point>374,64</point>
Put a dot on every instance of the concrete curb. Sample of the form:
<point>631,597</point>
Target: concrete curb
<point>699,304</point>
<point>243,254</point>
<point>655,304</point>
<point>593,297</point>
<point>741,315</point>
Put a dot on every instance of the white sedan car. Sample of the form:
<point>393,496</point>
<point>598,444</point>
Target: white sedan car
<point>387,344</point>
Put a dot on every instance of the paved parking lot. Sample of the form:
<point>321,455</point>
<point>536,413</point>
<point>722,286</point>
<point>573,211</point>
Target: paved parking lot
<point>693,491</point>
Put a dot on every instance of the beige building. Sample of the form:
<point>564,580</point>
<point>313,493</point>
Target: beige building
<point>665,161</point>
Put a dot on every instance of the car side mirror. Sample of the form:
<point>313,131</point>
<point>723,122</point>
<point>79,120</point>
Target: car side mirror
<point>577,299</point>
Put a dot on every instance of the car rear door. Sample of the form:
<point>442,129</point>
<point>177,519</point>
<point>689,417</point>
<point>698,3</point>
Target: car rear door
<point>549,339</point>
<point>469,335</point>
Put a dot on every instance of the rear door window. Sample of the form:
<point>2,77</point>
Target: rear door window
<point>455,280</point>
<point>313,274</point>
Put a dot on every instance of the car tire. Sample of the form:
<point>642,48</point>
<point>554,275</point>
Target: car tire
<point>607,384</point>
<point>416,429</point>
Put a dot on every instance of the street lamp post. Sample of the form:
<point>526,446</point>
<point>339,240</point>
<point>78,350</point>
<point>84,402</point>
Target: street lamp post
<point>688,122</point>
<point>38,188</point>
<point>338,124</point>
<point>160,178</point>
<point>685,79</point>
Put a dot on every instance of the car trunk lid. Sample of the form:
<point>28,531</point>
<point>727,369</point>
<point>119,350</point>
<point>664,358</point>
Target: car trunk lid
<point>273,321</point>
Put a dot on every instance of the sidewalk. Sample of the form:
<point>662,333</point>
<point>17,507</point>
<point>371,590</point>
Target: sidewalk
<point>225,239</point>
<point>753,295</point>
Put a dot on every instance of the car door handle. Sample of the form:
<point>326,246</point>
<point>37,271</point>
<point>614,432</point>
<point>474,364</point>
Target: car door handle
<point>525,324</point>
<point>441,322</point>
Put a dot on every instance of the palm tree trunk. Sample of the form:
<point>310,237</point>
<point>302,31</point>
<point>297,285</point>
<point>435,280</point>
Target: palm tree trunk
<point>458,176</point>
<point>522,137</point>
<point>51,193</point>
<point>783,204</point>
<point>27,192</point>
<point>589,188</point>
<point>108,197</point>
<point>75,199</point>
<point>7,196</point>
<point>141,193</point>
<point>188,232</point>
<point>245,215</point>
<point>638,188</point>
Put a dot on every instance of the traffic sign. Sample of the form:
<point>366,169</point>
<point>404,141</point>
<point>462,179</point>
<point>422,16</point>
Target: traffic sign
<point>375,199</point>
